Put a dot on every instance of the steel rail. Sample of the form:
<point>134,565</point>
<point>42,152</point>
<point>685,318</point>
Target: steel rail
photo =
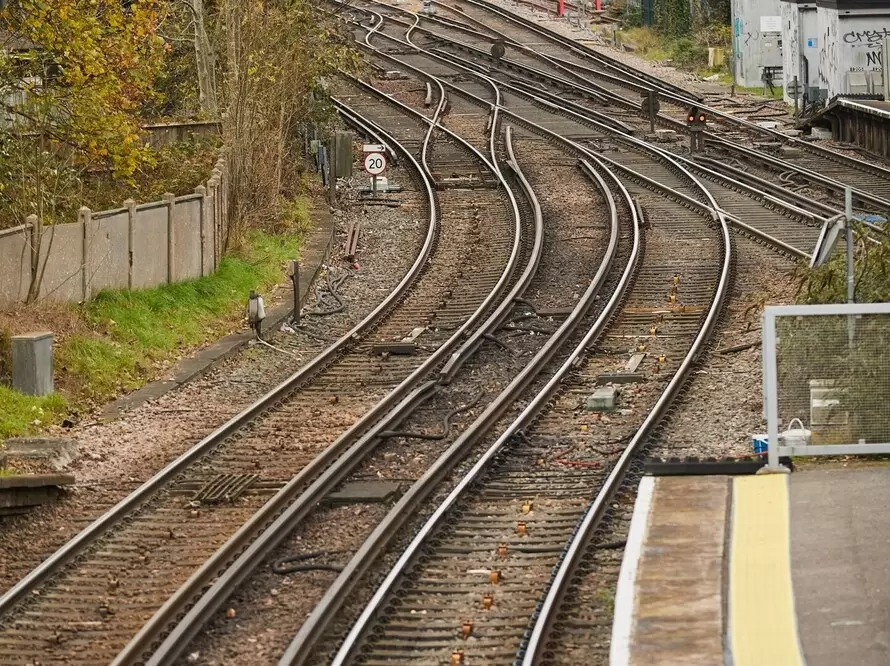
<point>526,416</point>
<point>240,555</point>
<point>546,612</point>
<point>613,98</point>
<point>678,96</point>
<point>75,546</point>
<point>640,145</point>
<point>311,630</point>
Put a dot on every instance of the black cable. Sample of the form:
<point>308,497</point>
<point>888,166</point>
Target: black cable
<point>280,568</point>
<point>499,343</point>
<point>331,291</point>
<point>446,425</point>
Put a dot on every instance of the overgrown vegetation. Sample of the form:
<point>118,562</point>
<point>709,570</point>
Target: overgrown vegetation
<point>686,52</point>
<point>79,80</point>
<point>127,337</point>
<point>828,283</point>
<point>678,31</point>
<point>822,346</point>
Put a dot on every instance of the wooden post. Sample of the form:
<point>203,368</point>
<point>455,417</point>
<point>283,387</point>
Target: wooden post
<point>84,217</point>
<point>170,198</point>
<point>131,232</point>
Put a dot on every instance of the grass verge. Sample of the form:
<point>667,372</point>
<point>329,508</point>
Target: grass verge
<point>121,339</point>
<point>24,414</point>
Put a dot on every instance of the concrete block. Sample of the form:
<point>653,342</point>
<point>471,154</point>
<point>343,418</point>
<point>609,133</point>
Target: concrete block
<point>791,151</point>
<point>792,132</point>
<point>58,452</point>
<point>820,133</point>
<point>602,400</point>
<point>32,363</point>
<point>768,124</point>
<point>666,135</point>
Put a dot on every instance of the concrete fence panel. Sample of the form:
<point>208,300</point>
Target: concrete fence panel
<point>15,264</point>
<point>108,250</point>
<point>150,245</point>
<point>62,249</point>
<point>137,246</point>
<point>187,225</point>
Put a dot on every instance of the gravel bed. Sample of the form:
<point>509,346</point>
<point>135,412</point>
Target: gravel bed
<point>724,403</point>
<point>566,263</point>
<point>117,456</point>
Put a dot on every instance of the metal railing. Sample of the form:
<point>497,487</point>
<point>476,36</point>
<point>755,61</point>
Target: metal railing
<point>826,378</point>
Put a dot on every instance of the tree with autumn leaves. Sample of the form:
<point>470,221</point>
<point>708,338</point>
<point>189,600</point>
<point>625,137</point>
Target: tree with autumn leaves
<point>78,78</point>
<point>80,74</point>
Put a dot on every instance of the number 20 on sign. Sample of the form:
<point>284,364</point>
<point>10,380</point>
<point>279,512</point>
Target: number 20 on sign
<point>375,163</point>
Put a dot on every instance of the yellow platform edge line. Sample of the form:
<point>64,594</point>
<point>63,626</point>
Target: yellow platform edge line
<point>762,621</point>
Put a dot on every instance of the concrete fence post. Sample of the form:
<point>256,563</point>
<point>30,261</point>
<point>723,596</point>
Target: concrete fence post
<point>130,205</point>
<point>31,223</point>
<point>216,176</point>
<point>202,221</point>
<point>170,198</point>
<point>213,195</point>
<point>85,215</point>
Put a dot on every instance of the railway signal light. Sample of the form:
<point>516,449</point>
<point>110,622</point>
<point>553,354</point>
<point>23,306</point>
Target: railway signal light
<point>696,116</point>
<point>696,122</point>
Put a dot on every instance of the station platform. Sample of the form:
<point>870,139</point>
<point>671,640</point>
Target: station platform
<point>857,120</point>
<point>758,570</point>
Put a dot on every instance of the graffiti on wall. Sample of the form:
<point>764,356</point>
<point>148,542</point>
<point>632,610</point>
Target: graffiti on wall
<point>867,48</point>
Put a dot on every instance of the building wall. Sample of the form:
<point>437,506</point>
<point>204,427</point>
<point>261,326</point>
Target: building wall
<point>850,51</point>
<point>800,39</point>
<point>791,50</point>
<point>757,39</point>
<point>810,43</point>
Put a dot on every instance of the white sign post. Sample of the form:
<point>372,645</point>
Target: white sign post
<point>375,164</point>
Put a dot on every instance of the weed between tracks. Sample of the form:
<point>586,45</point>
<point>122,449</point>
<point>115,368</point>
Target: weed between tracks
<point>120,340</point>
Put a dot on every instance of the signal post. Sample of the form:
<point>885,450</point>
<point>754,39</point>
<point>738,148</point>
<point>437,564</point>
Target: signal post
<point>696,123</point>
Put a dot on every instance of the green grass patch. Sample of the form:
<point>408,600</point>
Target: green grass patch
<point>135,330</point>
<point>130,335</point>
<point>24,414</point>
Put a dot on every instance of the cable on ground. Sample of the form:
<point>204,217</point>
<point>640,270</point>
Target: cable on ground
<point>446,426</point>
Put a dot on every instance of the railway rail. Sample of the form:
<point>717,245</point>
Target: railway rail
<point>544,487</point>
<point>219,489</point>
<point>578,66</point>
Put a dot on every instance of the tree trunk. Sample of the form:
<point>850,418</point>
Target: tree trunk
<point>205,61</point>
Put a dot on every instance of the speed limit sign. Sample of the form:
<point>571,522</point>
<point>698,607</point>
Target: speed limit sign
<point>375,163</point>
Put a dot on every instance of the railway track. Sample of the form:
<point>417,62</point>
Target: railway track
<point>783,224</point>
<point>468,583</point>
<point>548,493</point>
<point>620,86</point>
<point>96,592</point>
